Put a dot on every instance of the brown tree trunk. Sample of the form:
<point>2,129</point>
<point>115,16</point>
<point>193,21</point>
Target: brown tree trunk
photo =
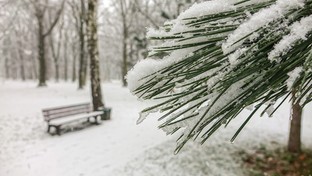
<point>294,142</point>
<point>82,58</point>
<point>57,70</point>
<point>41,54</point>
<point>34,67</point>
<point>74,76</point>
<point>124,67</point>
<point>125,61</point>
<point>7,70</point>
<point>65,59</point>
<point>94,55</point>
<point>22,65</point>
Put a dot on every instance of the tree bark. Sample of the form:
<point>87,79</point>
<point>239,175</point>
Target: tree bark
<point>22,64</point>
<point>125,61</point>
<point>34,68</point>
<point>94,55</point>
<point>7,70</point>
<point>82,57</point>
<point>74,76</point>
<point>294,142</point>
<point>41,53</point>
<point>65,58</point>
<point>124,68</point>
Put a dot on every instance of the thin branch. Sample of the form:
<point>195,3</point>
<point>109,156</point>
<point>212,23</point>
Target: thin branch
<point>55,20</point>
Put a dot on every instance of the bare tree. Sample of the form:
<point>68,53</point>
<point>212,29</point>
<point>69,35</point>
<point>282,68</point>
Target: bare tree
<point>55,50</point>
<point>79,14</point>
<point>43,31</point>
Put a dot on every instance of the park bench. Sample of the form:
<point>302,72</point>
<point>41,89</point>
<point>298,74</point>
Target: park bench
<point>58,116</point>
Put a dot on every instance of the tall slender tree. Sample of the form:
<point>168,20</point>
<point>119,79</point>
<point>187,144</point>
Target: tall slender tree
<point>94,54</point>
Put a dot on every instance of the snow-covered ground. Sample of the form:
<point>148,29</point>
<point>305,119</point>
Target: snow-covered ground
<point>27,150</point>
<point>119,147</point>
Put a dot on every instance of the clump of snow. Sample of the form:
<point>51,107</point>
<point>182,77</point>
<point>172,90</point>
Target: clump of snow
<point>141,69</point>
<point>298,31</point>
<point>152,32</point>
<point>208,8</point>
<point>149,66</point>
<point>293,75</point>
<point>234,56</point>
<point>258,20</point>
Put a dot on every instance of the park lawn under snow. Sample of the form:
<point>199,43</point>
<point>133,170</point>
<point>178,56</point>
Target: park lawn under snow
<point>119,147</point>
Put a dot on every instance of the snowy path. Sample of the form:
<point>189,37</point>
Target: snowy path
<point>26,149</point>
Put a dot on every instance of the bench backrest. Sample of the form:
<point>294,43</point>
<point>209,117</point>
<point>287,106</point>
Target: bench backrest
<point>63,111</point>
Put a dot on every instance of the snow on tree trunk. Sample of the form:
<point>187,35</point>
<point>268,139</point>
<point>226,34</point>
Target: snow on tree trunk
<point>294,142</point>
<point>94,55</point>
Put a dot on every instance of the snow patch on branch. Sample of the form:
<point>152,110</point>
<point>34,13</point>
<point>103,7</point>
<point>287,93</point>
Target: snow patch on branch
<point>146,67</point>
<point>298,31</point>
<point>208,8</point>
<point>259,20</point>
<point>293,75</point>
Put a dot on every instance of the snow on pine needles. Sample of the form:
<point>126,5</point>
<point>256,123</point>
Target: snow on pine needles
<point>218,61</point>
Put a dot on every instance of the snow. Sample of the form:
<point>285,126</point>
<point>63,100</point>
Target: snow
<point>258,20</point>
<point>27,150</point>
<point>145,67</point>
<point>208,8</point>
<point>298,30</point>
<point>119,147</point>
<point>293,75</point>
<point>219,157</point>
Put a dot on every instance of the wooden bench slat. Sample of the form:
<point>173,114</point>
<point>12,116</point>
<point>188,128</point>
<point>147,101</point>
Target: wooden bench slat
<point>66,113</point>
<point>65,107</point>
<point>59,112</point>
<point>70,119</point>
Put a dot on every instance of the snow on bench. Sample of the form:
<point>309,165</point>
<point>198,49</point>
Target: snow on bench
<point>58,116</point>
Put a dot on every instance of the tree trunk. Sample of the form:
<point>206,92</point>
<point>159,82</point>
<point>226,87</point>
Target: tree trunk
<point>7,70</point>
<point>74,68</point>
<point>94,55</point>
<point>294,142</point>
<point>82,57</point>
<point>65,59</point>
<point>57,70</point>
<point>22,65</point>
<point>74,64</point>
<point>125,62</point>
<point>124,67</point>
<point>41,54</point>
<point>34,67</point>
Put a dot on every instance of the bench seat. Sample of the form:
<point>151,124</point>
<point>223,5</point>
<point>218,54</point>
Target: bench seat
<point>70,119</point>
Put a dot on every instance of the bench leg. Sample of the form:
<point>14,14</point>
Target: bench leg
<point>96,120</point>
<point>49,127</point>
<point>58,130</point>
